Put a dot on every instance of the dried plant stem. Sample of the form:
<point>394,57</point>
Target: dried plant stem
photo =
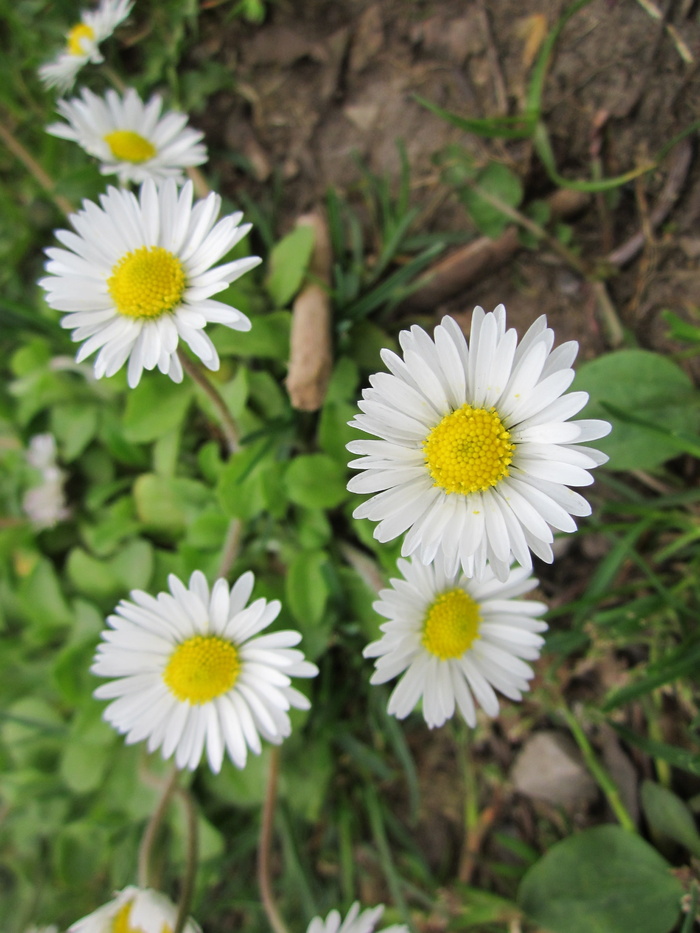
<point>230,549</point>
<point>149,837</point>
<point>603,779</point>
<point>228,425</point>
<point>187,890</point>
<point>33,167</point>
<point>264,880</point>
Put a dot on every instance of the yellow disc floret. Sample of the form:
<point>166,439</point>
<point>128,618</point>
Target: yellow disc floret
<point>202,668</point>
<point>129,146</point>
<point>77,36</point>
<point>468,451</point>
<point>122,924</point>
<point>451,625</point>
<point>147,282</point>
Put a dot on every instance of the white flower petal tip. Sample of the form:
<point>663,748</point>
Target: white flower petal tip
<point>134,908</point>
<point>191,673</point>
<point>454,641</point>
<point>131,139</point>
<point>137,276</point>
<point>475,452</point>
<point>83,43</point>
<point>356,921</point>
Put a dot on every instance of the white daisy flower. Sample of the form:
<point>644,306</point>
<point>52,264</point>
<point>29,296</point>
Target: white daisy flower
<point>354,922</point>
<point>132,140</point>
<point>83,41</point>
<point>134,910</point>
<point>190,671</point>
<point>455,639</point>
<point>476,454</point>
<point>137,277</point>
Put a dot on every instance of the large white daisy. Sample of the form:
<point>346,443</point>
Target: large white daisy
<point>134,910</point>
<point>137,277</point>
<point>83,41</point>
<point>192,672</point>
<point>131,139</point>
<point>476,454</point>
<point>354,922</point>
<point>455,640</point>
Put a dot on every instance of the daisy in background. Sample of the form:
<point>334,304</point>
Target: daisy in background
<point>354,922</point>
<point>132,140</point>
<point>83,41</point>
<point>191,671</point>
<point>138,274</point>
<point>455,640</point>
<point>134,910</point>
<point>475,452</point>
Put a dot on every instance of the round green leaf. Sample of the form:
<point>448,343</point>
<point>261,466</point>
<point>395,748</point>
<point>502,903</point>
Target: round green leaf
<point>649,387</point>
<point>603,880</point>
<point>316,481</point>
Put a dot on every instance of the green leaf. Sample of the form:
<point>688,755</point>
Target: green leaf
<point>268,337</point>
<point>603,880</point>
<point>678,757</point>
<point>316,481</point>
<point>155,407</point>
<point>669,817</point>
<point>168,505</point>
<point>496,179</point>
<point>289,260</point>
<point>644,384</point>
<point>306,587</point>
<point>74,427</point>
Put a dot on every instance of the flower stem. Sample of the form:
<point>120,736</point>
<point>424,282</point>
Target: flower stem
<point>603,779</point>
<point>149,837</point>
<point>113,77</point>
<point>229,551</point>
<point>264,881</point>
<point>33,167</point>
<point>228,425</point>
<point>187,890</point>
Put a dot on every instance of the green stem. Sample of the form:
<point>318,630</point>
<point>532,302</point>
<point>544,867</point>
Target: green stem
<point>145,877</point>
<point>228,425</point>
<point>382,843</point>
<point>603,779</point>
<point>264,875</point>
<point>187,890</point>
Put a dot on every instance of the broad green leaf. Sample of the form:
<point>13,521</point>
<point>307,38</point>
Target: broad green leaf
<point>602,880</point>
<point>669,817</point>
<point>647,385</point>
<point>92,577</point>
<point>316,481</point>
<point>289,260</point>
<point>268,337</point>
<point>168,505</point>
<point>155,407</point>
<point>498,180</point>
<point>306,587</point>
<point>32,732</point>
<point>74,426</point>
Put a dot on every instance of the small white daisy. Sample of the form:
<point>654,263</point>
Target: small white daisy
<point>45,503</point>
<point>476,454</point>
<point>132,140</point>
<point>134,910</point>
<point>83,41</point>
<point>455,639</point>
<point>137,277</point>
<point>355,922</point>
<point>191,673</point>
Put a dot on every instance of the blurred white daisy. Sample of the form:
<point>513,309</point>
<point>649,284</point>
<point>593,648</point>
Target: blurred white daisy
<point>131,139</point>
<point>354,922</point>
<point>455,640</point>
<point>476,454</point>
<point>83,41</point>
<point>51,928</point>
<point>137,277</point>
<point>45,503</point>
<point>192,672</point>
<point>134,910</point>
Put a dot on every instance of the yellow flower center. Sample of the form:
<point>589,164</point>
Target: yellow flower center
<point>452,625</point>
<point>147,282</point>
<point>76,37</point>
<point>129,146</point>
<point>468,451</point>
<point>121,923</point>
<point>201,668</point>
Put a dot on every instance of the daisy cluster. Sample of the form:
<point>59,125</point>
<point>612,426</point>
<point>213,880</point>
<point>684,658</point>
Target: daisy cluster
<point>471,460</point>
